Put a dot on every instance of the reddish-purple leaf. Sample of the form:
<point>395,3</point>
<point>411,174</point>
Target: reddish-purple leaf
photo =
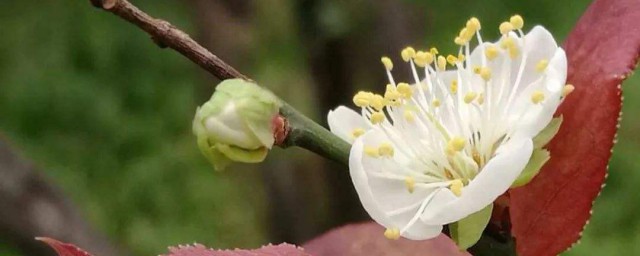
<point>63,249</point>
<point>267,250</point>
<point>549,214</point>
<point>367,239</point>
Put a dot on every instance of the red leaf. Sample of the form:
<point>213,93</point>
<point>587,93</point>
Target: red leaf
<point>270,250</point>
<point>367,239</point>
<point>63,249</point>
<point>549,214</point>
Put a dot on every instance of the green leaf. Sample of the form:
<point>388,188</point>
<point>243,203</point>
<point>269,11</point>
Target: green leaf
<point>538,158</point>
<point>547,133</point>
<point>466,232</point>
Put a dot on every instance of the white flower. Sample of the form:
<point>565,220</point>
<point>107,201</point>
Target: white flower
<point>431,153</point>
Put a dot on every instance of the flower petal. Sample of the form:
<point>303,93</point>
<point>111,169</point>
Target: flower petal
<point>343,121</point>
<point>494,179</point>
<point>382,196</point>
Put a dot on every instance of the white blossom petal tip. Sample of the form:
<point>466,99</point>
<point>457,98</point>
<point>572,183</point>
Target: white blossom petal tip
<point>436,150</point>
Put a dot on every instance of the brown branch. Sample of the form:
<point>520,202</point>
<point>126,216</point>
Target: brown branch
<point>166,35</point>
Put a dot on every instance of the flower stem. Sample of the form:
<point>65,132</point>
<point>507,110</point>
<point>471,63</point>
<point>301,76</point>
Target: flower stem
<point>307,134</point>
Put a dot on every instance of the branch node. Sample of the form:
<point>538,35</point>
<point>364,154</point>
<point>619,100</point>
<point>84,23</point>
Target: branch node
<point>104,4</point>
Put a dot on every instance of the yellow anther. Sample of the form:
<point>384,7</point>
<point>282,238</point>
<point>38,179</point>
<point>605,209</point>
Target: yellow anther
<point>410,182</point>
<point>436,103</point>
<point>377,102</point>
<point>459,41</point>
<point>537,96</point>
<point>463,33</point>
<point>392,233</point>
<point>457,143</point>
<point>387,63</point>
<point>507,43</point>
<point>516,21</point>
<point>442,62</point>
<point>466,34</point>
<point>476,157</point>
<point>448,174</point>
<point>408,54</point>
<point>461,57</point>
<point>377,117</point>
<point>423,59</point>
<point>405,90</point>
<point>477,69</point>
<point>510,45</point>
<point>385,149</point>
<point>434,50</point>
<point>362,99</point>
<point>452,60</point>
<point>357,132</point>
<point>485,73</point>
<point>567,89</point>
<point>371,151</point>
<point>491,52</point>
<point>391,94</point>
<point>408,114</point>
<point>542,65</point>
<point>505,28</point>
<point>456,187</point>
<point>473,24</point>
<point>454,86</point>
<point>469,97</point>
<point>480,98</point>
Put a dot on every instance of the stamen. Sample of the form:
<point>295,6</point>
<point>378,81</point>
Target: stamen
<point>434,51</point>
<point>480,98</point>
<point>516,21</point>
<point>405,90</point>
<point>469,97</point>
<point>361,99</point>
<point>436,103</point>
<point>408,114</point>
<point>505,28</point>
<point>392,233</point>
<point>442,63</point>
<point>567,89</point>
<point>456,144</point>
<point>391,94</point>
<point>385,149</point>
<point>473,23</point>
<point>461,57</point>
<point>371,151</point>
<point>454,86</point>
<point>452,60</point>
<point>377,117</point>
<point>542,65</point>
<point>410,182</point>
<point>491,52</point>
<point>537,97</point>
<point>377,102</point>
<point>357,132</point>
<point>485,73</point>
<point>456,187</point>
<point>423,59</point>
<point>408,53</point>
<point>387,63</point>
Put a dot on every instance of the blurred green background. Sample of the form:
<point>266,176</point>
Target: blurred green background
<point>106,115</point>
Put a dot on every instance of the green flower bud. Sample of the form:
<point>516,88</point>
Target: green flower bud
<point>235,125</point>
